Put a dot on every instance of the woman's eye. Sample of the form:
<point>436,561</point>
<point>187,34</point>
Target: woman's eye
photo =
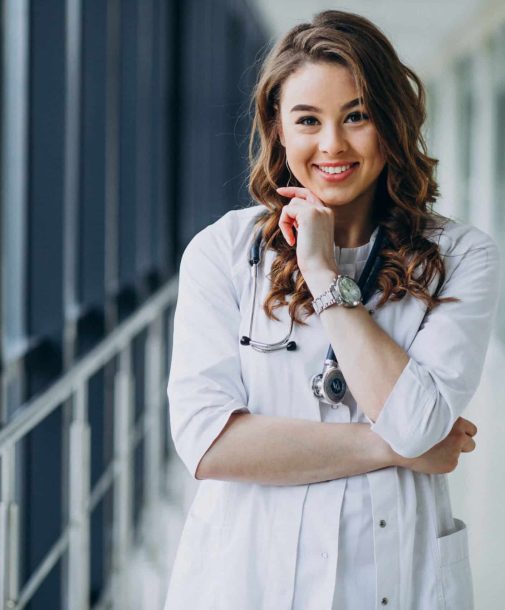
<point>354,117</point>
<point>306,118</point>
<point>357,116</point>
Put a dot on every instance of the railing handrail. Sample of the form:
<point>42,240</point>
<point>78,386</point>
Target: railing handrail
<point>38,408</point>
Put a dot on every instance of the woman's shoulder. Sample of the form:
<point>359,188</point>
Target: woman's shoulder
<point>228,236</point>
<point>456,238</point>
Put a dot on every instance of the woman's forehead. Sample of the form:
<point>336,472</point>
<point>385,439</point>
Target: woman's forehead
<point>318,83</point>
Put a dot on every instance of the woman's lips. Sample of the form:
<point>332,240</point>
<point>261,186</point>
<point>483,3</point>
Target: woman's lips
<point>336,177</point>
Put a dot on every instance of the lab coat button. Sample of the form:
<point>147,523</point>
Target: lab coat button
<point>324,555</point>
<point>384,601</point>
<point>382,523</point>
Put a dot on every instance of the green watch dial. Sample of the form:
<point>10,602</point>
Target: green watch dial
<point>349,290</point>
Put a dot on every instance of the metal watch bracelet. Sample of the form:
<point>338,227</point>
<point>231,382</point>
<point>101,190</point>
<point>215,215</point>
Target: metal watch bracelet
<point>325,300</point>
<point>329,297</point>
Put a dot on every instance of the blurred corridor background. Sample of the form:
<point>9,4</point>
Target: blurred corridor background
<point>123,131</point>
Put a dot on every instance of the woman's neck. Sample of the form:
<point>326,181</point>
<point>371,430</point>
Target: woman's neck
<point>352,230</point>
<point>354,222</point>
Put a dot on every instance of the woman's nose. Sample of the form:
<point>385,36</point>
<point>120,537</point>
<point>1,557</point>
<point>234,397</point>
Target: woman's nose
<point>332,140</point>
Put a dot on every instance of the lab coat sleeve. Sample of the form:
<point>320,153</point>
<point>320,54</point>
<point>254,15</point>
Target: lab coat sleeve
<point>205,385</point>
<point>446,357</point>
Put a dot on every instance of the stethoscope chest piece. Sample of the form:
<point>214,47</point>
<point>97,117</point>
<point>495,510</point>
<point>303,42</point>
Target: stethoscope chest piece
<point>330,385</point>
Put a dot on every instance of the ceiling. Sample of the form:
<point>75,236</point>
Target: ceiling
<point>417,28</point>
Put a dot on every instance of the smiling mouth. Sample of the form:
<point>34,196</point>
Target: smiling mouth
<point>340,169</point>
<point>336,173</point>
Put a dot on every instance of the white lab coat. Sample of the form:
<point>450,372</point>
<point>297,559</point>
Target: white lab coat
<point>344,545</point>
<point>239,549</point>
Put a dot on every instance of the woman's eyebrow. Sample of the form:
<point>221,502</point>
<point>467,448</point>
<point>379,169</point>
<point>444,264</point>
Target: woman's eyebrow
<point>308,108</point>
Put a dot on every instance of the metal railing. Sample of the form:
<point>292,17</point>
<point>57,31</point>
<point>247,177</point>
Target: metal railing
<point>73,387</point>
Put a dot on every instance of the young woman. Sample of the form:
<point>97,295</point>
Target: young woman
<point>330,492</point>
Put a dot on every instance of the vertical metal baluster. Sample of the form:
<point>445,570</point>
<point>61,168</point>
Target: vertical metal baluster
<point>79,540</point>
<point>153,413</point>
<point>4,529</point>
<point>9,531</point>
<point>123,408</point>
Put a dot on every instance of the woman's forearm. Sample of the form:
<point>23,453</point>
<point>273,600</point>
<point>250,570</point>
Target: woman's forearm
<point>286,451</point>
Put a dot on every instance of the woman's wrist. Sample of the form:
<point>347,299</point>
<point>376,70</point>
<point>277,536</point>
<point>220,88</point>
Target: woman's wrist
<point>398,460</point>
<point>319,281</point>
<point>387,454</point>
<point>381,452</point>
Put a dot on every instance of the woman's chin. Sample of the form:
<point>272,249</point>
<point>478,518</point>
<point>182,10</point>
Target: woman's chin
<point>332,202</point>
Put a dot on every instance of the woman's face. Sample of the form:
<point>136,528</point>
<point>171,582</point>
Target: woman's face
<point>323,125</point>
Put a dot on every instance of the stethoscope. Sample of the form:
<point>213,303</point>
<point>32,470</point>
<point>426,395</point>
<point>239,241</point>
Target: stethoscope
<point>329,386</point>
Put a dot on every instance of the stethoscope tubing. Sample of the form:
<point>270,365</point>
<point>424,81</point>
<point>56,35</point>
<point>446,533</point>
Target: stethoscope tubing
<point>366,283</point>
<point>261,346</point>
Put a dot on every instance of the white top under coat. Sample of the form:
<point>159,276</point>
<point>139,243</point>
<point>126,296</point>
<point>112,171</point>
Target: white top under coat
<point>353,557</point>
<point>243,544</point>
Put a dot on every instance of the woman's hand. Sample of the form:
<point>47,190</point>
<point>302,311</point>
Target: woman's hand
<point>314,224</point>
<point>444,456</point>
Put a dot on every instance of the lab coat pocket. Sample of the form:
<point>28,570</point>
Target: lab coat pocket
<point>455,569</point>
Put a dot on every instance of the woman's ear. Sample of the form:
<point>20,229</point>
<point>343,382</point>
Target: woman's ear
<point>280,134</point>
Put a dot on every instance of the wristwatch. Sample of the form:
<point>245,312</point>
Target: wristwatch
<point>342,291</point>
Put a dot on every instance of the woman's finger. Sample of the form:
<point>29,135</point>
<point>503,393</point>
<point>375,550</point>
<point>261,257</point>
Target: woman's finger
<point>289,218</point>
<point>470,428</point>
<point>286,221</point>
<point>301,193</point>
<point>293,191</point>
<point>469,445</point>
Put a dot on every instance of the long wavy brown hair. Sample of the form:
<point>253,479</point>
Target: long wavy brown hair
<point>394,98</point>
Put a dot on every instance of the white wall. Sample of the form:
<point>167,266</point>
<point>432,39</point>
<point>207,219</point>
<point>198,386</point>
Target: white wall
<point>466,133</point>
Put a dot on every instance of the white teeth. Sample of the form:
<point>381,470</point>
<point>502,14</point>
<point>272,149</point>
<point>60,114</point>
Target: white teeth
<point>335,170</point>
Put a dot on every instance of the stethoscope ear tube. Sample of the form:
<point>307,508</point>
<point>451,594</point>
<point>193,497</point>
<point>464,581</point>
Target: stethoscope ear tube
<point>254,255</point>
<point>260,346</point>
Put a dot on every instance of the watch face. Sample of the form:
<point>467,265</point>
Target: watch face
<point>349,290</point>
